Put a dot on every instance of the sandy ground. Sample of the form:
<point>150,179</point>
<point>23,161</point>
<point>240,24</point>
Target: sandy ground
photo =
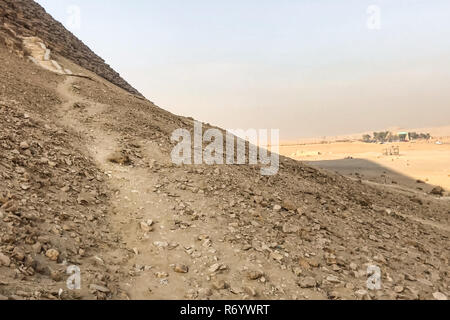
<point>419,160</point>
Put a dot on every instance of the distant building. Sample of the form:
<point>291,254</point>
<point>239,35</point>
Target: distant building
<point>403,136</point>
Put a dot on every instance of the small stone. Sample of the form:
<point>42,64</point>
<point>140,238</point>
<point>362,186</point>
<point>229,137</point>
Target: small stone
<point>251,291</point>
<point>160,244</point>
<point>96,287</point>
<point>205,292</point>
<point>277,208</point>
<point>289,205</point>
<point>349,286</point>
<point>18,254</point>
<point>439,296</point>
<point>255,275</point>
<point>335,268</point>
<point>52,164</point>
<point>414,292</point>
<point>214,268</point>
<point>55,276</point>
<point>220,285</point>
<point>161,275</point>
<point>24,145</point>
<point>4,260</point>
<point>438,191</point>
<point>333,279</point>
<point>79,105</point>
<point>361,293</point>
<point>297,271</point>
<point>181,268</point>
<point>380,258</point>
<point>145,227</point>
<point>425,282</point>
<point>276,256</point>
<point>399,289</point>
<point>410,277</point>
<point>52,254</point>
<point>289,228</point>
<point>85,198</point>
<point>25,186</point>
<point>307,282</point>
<point>304,264</point>
<point>119,158</point>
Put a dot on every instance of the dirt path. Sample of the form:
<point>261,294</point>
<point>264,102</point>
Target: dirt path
<point>141,217</point>
<point>133,202</point>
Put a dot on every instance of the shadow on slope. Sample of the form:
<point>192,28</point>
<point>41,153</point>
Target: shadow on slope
<point>368,170</point>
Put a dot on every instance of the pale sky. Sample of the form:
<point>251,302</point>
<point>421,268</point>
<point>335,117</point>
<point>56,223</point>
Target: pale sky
<point>306,67</point>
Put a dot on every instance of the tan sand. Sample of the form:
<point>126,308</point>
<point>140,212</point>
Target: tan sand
<point>418,160</point>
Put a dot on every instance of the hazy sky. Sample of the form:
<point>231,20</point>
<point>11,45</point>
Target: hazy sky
<point>307,67</point>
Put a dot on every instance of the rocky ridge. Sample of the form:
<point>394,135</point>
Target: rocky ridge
<point>27,18</point>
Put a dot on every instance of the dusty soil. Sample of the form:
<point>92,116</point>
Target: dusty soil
<point>87,180</point>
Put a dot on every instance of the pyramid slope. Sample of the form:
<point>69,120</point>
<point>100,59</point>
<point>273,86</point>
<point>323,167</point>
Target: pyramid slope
<point>87,181</point>
<point>28,18</point>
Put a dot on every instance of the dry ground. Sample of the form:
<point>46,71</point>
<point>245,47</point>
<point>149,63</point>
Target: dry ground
<point>87,180</point>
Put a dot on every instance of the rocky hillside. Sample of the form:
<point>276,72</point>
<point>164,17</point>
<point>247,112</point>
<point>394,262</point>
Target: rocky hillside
<point>28,18</point>
<point>87,181</point>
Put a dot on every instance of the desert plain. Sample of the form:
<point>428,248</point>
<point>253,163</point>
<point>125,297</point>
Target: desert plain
<point>420,164</point>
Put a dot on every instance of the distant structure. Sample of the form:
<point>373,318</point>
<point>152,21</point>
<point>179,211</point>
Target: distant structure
<point>387,136</point>
<point>392,151</point>
<point>403,136</point>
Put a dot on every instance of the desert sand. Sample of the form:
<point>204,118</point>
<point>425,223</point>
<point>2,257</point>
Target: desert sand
<point>421,160</point>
